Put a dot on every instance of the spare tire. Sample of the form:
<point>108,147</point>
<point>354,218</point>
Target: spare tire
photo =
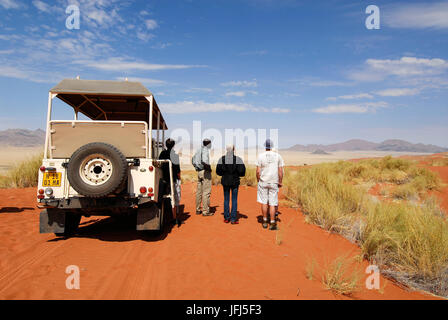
<point>97,170</point>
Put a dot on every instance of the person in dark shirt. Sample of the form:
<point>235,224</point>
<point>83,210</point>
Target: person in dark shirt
<point>170,154</point>
<point>231,168</point>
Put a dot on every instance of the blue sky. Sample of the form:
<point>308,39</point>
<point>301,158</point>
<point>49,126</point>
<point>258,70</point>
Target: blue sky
<point>309,68</point>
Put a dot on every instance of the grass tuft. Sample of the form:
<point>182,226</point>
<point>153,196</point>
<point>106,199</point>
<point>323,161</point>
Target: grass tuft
<point>338,278</point>
<point>408,239</point>
<point>22,175</point>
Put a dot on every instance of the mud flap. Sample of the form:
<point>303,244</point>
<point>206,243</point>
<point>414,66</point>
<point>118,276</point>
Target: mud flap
<point>52,221</point>
<point>149,218</point>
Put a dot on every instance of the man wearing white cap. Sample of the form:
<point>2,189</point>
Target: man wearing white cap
<point>269,176</point>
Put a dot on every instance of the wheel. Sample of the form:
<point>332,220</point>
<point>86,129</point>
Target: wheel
<point>97,170</point>
<point>71,224</point>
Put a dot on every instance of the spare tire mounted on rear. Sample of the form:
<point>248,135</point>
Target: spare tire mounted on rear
<point>97,170</point>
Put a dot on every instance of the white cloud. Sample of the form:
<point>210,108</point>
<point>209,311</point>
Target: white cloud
<point>144,36</point>
<point>239,93</point>
<point>236,94</point>
<point>316,82</point>
<point>417,15</point>
<point>8,37</point>
<point>162,45</point>
<point>408,66</point>
<point>151,24</point>
<point>9,4</point>
<point>119,64</point>
<point>201,90</point>
<point>405,67</point>
<point>246,84</point>
<point>352,97</point>
<point>280,110</point>
<point>41,6</point>
<point>367,107</point>
<point>145,81</point>
<point>328,83</point>
<point>201,106</point>
<point>254,53</point>
<point>30,75</point>
<point>398,92</point>
<point>100,13</point>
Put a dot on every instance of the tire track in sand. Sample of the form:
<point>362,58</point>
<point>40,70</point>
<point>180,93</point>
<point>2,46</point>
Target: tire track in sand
<point>7,279</point>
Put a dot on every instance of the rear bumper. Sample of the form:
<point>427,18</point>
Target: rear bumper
<point>93,203</point>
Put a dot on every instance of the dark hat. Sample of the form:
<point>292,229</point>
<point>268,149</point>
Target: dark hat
<point>206,142</point>
<point>269,144</point>
<point>170,143</point>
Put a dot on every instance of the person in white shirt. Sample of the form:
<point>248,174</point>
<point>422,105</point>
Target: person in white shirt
<point>269,176</point>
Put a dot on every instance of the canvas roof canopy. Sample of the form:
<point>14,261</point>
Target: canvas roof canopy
<point>109,100</point>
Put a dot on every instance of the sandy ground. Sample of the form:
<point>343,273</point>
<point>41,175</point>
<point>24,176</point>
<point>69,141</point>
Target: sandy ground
<point>203,259</point>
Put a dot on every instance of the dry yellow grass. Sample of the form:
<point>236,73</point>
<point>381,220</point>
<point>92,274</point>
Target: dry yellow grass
<point>410,240</point>
<point>341,275</point>
<point>23,174</point>
<point>338,278</point>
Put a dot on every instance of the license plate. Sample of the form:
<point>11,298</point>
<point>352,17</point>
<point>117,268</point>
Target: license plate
<point>52,179</point>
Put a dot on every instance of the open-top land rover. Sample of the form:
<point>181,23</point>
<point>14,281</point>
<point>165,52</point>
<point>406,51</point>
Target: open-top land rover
<point>105,165</point>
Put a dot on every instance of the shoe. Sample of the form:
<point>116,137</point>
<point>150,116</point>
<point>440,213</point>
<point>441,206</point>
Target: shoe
<point>235,222</point>
<point>273,226</point>
<point>198,212</point>
<point>226,221</point>
<point>265,224</point>
<point>206,214</point>
<point>179,222</point>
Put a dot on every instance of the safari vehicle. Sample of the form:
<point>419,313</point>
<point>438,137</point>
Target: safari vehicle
<point>107,165</point>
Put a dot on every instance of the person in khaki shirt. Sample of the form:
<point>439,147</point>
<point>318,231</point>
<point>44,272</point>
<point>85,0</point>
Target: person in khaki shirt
<point>201,162</point>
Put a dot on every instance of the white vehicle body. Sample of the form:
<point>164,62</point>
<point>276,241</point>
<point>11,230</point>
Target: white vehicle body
<point>123,115</point>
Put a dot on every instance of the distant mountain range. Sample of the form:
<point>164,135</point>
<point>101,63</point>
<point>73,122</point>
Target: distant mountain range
<point>22,138</point>
<point>33,138</point>
<point>363,145</point>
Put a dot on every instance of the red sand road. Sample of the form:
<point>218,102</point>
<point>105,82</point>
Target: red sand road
<point>204,259</point>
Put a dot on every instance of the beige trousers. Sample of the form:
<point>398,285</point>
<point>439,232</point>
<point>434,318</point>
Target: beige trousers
<point>203,191</point>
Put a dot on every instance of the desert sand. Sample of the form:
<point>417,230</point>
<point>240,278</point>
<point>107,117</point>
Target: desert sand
<point>203,259</point>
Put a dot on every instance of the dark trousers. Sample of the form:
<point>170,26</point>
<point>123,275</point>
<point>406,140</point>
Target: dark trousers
<point>227,214</point>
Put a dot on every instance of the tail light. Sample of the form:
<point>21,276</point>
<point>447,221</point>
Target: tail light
<point>41,191</point>
<point>42,168</point>
<point>142,189</point>
<point>151,168</point>
<point>40,197</point>
<point>150,189</point>
<point>150,194</point>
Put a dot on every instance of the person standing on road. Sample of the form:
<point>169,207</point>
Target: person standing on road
<point>201,163</point>
<point>170,154</point>
<point>269,176</point>
<point>231,168</point>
